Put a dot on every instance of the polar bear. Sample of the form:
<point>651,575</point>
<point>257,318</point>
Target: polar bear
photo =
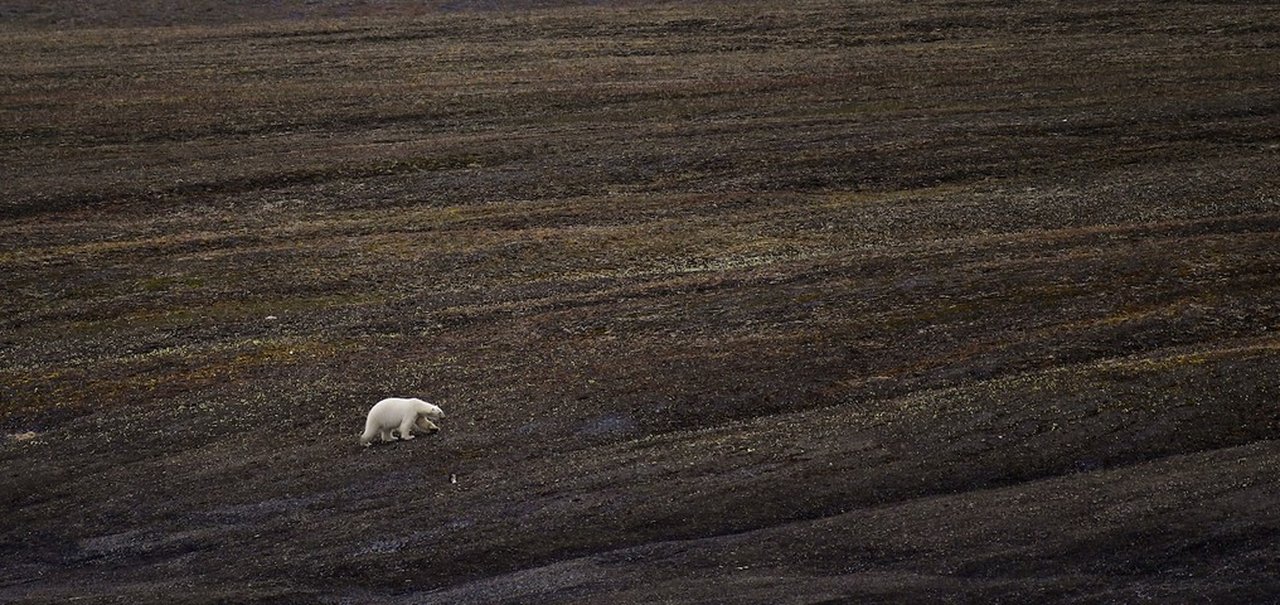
<point>402,415</point>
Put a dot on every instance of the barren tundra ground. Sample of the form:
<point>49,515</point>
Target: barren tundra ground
<point>761,302</point>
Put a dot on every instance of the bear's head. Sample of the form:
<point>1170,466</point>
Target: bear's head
<point>430,410</point>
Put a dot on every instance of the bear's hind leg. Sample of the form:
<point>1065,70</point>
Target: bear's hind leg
<point>386,436</point>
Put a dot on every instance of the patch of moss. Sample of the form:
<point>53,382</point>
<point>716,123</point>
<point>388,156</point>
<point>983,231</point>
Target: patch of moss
<point>169,282</point>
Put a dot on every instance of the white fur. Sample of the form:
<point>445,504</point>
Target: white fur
<point>402,416</point>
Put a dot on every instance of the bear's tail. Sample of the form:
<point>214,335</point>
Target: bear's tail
<point>370,430</point>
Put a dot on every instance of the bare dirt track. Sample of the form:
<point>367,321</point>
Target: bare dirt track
<point>758,302</point>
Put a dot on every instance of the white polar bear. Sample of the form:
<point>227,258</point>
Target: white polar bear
<point>402,415</point>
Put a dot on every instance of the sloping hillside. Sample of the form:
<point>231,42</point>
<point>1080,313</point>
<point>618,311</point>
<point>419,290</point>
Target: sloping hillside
<point>754,303</point>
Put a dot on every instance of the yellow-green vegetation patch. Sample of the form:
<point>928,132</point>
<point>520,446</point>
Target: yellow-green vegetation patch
<point>139,377</point>
<point>1162,363</point>
<point>222,311</point>
<point>847,199</point>
<point>162,283</point>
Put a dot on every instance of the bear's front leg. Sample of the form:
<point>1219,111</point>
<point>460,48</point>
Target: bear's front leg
<point>386,436</point>
<point>406,429</point>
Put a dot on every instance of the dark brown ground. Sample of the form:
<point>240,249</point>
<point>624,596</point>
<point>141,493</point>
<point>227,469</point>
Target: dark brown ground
<point>751,303</point>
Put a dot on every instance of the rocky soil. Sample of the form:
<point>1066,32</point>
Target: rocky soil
<point>762,302</point>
